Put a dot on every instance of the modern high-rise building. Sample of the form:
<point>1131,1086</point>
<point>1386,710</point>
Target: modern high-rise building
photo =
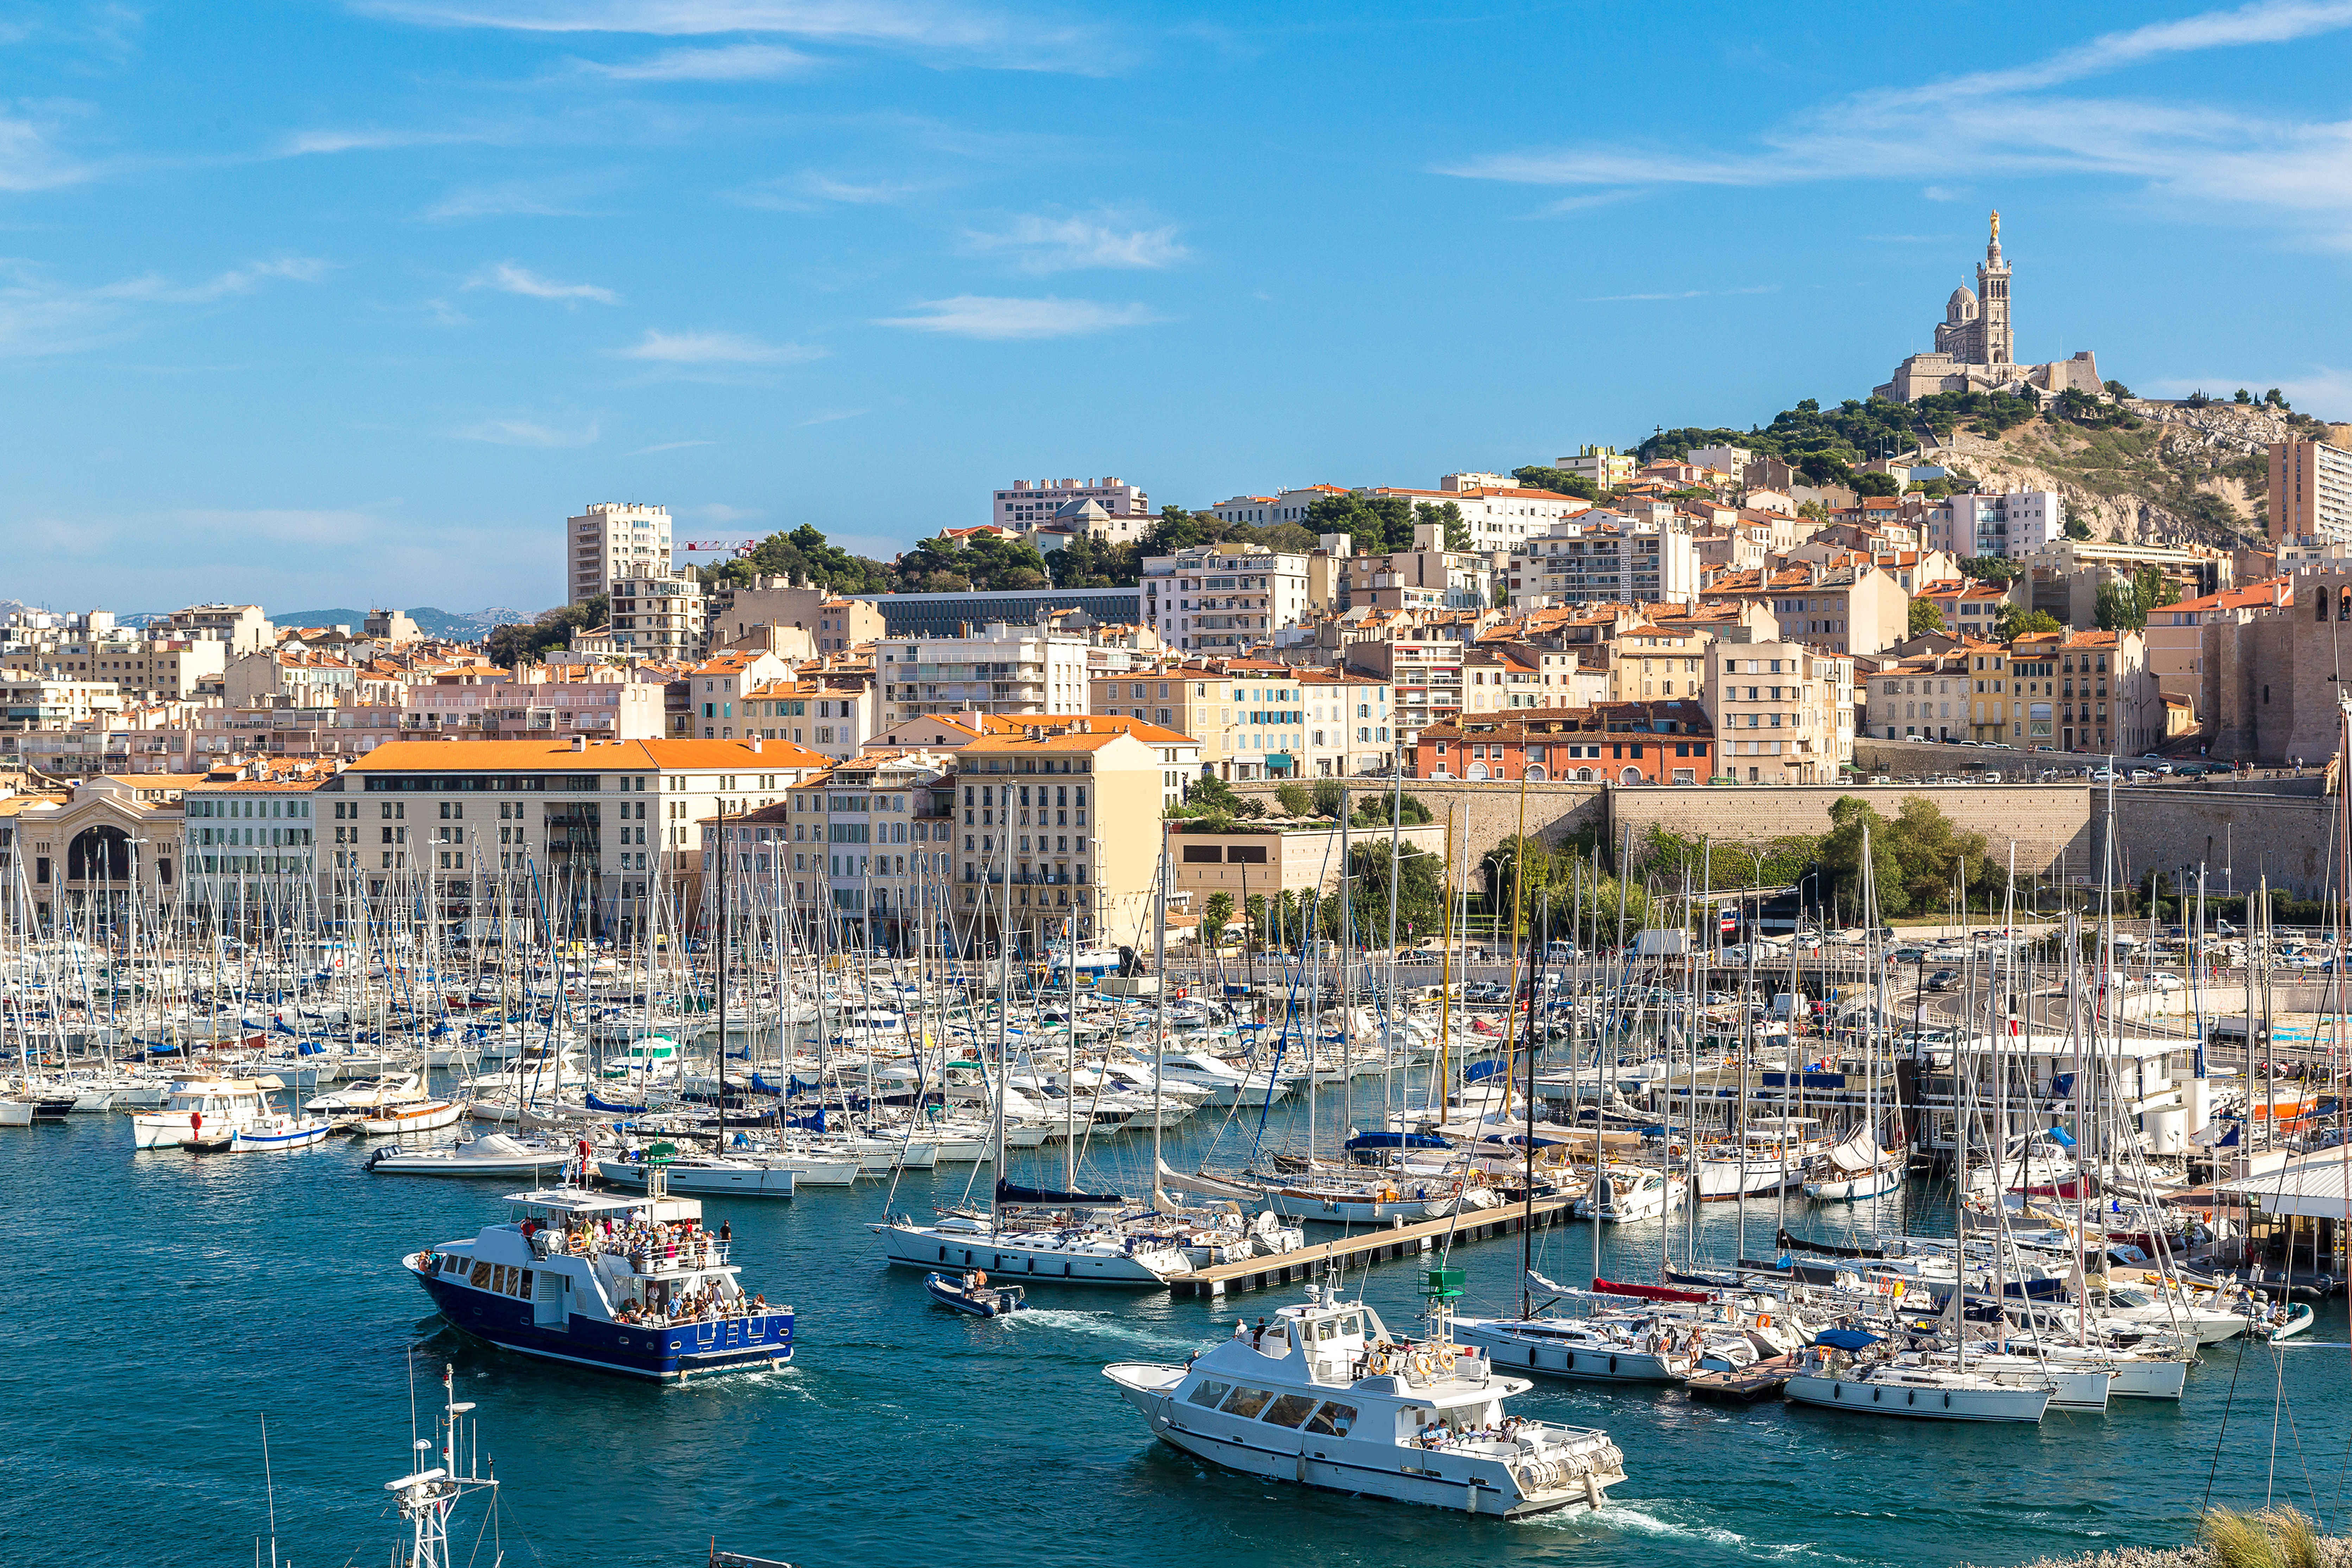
<point>612,540</point>
<point>2311,492</point>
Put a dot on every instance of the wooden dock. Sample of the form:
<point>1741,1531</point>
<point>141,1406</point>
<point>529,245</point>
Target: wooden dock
<point>1364,1247</point>
<point>1753,1382</point>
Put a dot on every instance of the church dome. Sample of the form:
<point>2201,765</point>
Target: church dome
<point>1961,306</point>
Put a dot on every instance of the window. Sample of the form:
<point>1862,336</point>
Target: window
<point>1246,1402</point>
<point>1333,1420</point>
<point>1210,1393</point>
<point>1289,1410</point>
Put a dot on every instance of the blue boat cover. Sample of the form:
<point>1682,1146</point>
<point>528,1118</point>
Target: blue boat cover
<point>1846,1339</point>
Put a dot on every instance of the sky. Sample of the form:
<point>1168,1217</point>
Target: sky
<point>338,303</point>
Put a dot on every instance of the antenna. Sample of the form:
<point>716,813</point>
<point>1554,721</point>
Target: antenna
<point>269,1484</point>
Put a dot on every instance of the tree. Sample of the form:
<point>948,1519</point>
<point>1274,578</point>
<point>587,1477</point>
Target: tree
<point>1420,898</point>
<point>2124,603</point>
<point>1873,484</point>
<point>1991,569</point>
<point>1925,617</point>
<point>516,642</point>
<point>1005,565</point>
<point>2277,399</point>
<point>1295,798</point>
<point>2075,527</point>
<point>1516,855</point>
<point>2243,398</point>
<point>1087,562</point>
<point>1376,524</point>
<point>1447,515</point>
<point>2016,621</point>
<point>1213,916</point>
<point>801,554</point>
<point>1842,856</point>
<point>1559,481</point>
<point>2118,389</point>
<point>1210,798</point>
<point>1373,806</point>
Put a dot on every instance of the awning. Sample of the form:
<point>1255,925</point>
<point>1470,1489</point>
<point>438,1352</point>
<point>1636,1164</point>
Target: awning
<point>2315,1189</point>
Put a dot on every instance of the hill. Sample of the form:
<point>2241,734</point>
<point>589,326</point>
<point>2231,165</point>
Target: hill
<point>455,625</point>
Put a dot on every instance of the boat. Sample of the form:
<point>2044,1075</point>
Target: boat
<point>426,1497</point>
<point>415,1116</point>
<point>654,1296</point>
<point>278,1130</point>
<point>198,1107</point>
<point>973,1293</point>
<point>1327,1399</point>
<point>489,1154</point>
<point>1834,1374</point>
<point>1633,1192</point>
<point>707,1173</point>
<point>2285,1321</point>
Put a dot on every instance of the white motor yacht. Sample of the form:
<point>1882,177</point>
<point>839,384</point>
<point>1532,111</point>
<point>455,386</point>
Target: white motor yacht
<point>1629,1193</point>
<point>1832,1376</point>
<point>489,1154</point>
<point>1328,1399</point>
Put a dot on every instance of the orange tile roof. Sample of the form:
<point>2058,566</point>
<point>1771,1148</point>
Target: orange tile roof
<point>486,755</point>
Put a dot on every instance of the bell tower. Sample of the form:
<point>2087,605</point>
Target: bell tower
<point>1993,333</point>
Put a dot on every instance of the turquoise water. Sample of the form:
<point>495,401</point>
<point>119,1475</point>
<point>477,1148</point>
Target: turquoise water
<point>179,1299</point>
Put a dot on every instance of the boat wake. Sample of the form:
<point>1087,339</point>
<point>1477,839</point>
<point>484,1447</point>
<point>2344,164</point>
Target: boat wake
<point>1100,1325</point>
<point>1634,1520</point>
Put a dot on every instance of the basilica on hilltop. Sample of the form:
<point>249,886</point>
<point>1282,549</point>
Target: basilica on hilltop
<point>1976,346</point>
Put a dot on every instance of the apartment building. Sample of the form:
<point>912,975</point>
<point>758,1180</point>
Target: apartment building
<point>1782,710</point>
<point>1659,659</point>
<point>1060,822</point>
<point>659,614</point>
<point>2015,523</point>
<point>857,846</point>
<point>243,626</point>
<point>1427,576</point>
<point>992,668</point>
<point>946,734</point>
<point>614,708</point>
<point>1604,466</point>
<point>1938,694</point>
<point>596,822</point>
<point>834,713</point>
<point>1283,506</point>
<point>1602,557</point>
<point>2310,492</point>
<point>612,540</point>
<point>1214,599</point>
<point>1347,722</point>
<point>2176,637</point>
<point>248,846</point>
<point>1423,675</point>
<point>717,686</point>
<point>1497,513</point>
<point>1851,607</point>
<point>36,704</point>
<point>1030,502</point>
<point>1971,608</point>
<point>1664,743</point>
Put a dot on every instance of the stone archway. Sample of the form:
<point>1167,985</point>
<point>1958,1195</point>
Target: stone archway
<point>100,854</point>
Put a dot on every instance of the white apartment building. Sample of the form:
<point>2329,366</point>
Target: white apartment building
<point>2013,522</point>
<point>1497,513</point>
<point>1282,506</point>
<point>1732,461</point>
<point>1215,600</point>
<point>1032,501</point>
<point>612,540</point>
<point>2310,492</point>
<point>1001,668</point>
<point>657,613</point>
<point>250,848</point>
<point>615,710</point>
<point>1783,714</point>
<point>243,626</point>
<point>1603,558</point>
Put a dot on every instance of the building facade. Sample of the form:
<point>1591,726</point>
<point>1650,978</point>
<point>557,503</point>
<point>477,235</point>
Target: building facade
<point>612,539</point>
<point>1218,600</point>
<point>2310,492</point>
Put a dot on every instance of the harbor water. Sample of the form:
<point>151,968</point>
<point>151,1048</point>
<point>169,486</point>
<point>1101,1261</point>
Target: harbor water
<point>168,1303</point>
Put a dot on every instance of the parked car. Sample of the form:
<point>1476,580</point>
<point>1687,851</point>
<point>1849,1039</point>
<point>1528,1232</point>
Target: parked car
<point>1943,980</point>
<point>1909,955</point>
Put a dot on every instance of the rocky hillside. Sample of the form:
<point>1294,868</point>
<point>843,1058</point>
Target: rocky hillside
<point>2176,475</point>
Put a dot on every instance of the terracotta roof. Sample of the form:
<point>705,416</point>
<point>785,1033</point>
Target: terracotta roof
<point>478,756</point>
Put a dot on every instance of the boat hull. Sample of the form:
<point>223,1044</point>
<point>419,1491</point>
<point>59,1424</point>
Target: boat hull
<point>2025,1405</point>
<point>670,1353</point>
<point>1577,1362</point>
<point>921,1246</point>
<point>746,1180</point>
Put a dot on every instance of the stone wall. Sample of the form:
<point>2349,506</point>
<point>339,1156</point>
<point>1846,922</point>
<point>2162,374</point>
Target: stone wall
<point>2239,838</point>
<point>2048,823</point>
<point>1485,813</point>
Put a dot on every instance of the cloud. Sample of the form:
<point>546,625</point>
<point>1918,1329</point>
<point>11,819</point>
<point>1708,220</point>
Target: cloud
<point>978,316</point>
<point>1028,42</point>
<point>714,348</point>
<point>667,446</point>
<point>506,198</point>
<point>320,144</point>
<point>1040,244</point>
<point>807,190</point>
<point>508,279</point>
<point>2322,390</point>
<point>29,161</point>
<point>1682,294</point>
<point>732,62</point>
<point>834,418</point>
<point>2010,125</point>
<point>526,433</point>
<point>40,318</point>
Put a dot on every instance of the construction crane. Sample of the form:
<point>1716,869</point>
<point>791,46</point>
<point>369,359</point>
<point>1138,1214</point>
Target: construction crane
<point>711,546</point>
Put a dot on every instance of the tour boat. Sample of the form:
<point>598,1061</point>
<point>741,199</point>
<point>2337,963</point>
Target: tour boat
<point>1072,1252</point>
<point>197,1107</point>
<point>490,1155</point>
<point>973,1293</point>
<point>1829,1375</point>
<point>413,1116</point>
<point>554,1283</point>
<point>1327,1399</point>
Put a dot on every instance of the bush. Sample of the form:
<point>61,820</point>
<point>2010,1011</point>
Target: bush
<point>1296,801</point>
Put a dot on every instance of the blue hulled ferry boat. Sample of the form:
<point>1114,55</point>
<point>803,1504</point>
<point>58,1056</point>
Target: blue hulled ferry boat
<point>626,1283</point>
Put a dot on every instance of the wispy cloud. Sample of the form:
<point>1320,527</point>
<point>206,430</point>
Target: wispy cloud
<point>1041,244</point>
<point>667,446</point>
<point>40,317</point>
<point>715,348</point>
<point>980,316</point>
<point>809,189</point>
<point>514,198</point>
<point>508,279</point>
<point>731,62</point>
<point>1031,42</point>
<point>1680,294</point>
<point>29,161</point>
<point>2322,390</point>
<point>527,433</point>
<point>328,141</point>
<point>2011,124</point>
<point>834,418</point>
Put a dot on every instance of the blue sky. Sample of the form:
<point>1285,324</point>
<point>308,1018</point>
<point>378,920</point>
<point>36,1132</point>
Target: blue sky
<point>340,303</point>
